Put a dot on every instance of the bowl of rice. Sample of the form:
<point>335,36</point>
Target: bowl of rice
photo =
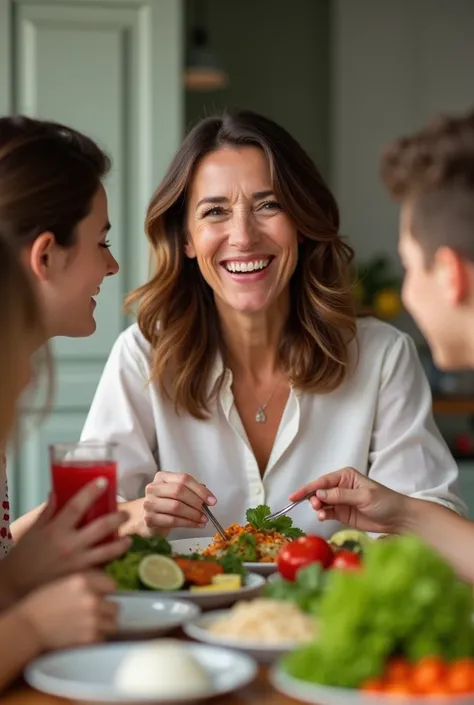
<point>263,628</point>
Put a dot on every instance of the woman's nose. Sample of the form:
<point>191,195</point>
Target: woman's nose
<point>112,264</point>
<point>243,233</point>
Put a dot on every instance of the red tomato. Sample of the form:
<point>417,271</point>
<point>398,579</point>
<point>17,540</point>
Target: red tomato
<point>301,553</point>
<point>347,560</point>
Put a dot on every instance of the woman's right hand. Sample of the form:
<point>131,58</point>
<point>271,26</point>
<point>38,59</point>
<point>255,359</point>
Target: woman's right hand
<point>70,612</point>
<point>175,500</point>
<point>54,547</point>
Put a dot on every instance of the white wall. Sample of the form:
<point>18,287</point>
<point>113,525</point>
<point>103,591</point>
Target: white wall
<point>395,63</point>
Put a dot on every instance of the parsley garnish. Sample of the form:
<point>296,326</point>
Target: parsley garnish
<point>283,525</point>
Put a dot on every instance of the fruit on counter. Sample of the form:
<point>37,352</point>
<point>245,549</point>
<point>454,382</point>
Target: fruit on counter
<point>405,600</point>
<point>161,669</point>
<point>346,560</point>
<point>350,540</point>
<point>429,676</point>
<point>301,553</point>
<point>387,303</point>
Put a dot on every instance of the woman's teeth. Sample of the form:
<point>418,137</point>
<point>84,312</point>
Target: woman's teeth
<point>247,266</point>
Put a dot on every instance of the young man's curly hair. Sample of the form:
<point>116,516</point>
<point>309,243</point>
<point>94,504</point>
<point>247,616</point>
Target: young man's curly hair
<point>432,173</point>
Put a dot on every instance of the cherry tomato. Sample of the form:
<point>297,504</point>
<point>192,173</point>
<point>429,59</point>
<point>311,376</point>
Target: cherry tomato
<point>301,553</point>
<point>347,560</point>
<point>429,675</point>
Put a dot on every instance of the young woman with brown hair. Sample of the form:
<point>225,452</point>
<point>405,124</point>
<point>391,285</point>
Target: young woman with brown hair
<point>248,372</point>
<point>73,610</point>
<point>53,207</point>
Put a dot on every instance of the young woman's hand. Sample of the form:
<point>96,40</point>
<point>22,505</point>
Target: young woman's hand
<point>54,547</point>
<point>70,612</point>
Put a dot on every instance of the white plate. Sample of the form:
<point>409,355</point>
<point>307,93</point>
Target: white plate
<point>197,545</point>
<point>208,600</point>
<point>264,653</point>
<point>325,695</point>
<point>152,614</point>
<point>88,673</point>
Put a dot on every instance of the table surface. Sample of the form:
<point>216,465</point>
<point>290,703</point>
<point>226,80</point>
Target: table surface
<point>260,691</point>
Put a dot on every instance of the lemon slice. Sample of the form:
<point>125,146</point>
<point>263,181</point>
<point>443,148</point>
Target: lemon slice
<point>209,588</point>
<point>160,573</point>
<point>228,581</point>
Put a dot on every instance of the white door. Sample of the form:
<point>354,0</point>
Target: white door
<point>113,70</point>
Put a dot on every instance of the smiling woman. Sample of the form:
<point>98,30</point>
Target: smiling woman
<point>248,374</point>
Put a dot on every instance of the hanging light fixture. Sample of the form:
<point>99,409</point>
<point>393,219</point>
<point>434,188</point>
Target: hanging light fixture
<point>203,71</point>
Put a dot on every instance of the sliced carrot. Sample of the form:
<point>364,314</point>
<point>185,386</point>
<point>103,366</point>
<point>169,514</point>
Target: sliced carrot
<point>460,676</point>
<point>373,685</point>
<point>399,669</point>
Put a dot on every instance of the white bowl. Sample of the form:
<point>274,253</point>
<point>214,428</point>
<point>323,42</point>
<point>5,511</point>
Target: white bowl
<point>151,614</point>
<point>325,695</point>
<point>88,674</point>
<point>197,545</point>
<point>208,600</point>
<point>260,651</point>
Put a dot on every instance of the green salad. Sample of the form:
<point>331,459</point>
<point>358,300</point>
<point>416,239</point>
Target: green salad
<point>405,601</point>
<point>125,570</point>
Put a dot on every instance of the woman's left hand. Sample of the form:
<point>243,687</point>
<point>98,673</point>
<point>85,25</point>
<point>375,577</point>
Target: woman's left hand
<point>174,500</point>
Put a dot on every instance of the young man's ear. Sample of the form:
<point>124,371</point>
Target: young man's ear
<point>453,274</point>
<point>39,255</point>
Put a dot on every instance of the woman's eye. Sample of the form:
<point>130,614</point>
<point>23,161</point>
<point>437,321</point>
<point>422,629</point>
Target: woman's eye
<point>105,244</point>
<point>215,211</point>
<point>270,206</point>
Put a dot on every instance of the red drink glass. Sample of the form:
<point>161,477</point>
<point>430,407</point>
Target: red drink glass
<point>74,465</point>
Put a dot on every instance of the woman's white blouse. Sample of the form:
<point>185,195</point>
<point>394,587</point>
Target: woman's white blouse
<point>378,421</point>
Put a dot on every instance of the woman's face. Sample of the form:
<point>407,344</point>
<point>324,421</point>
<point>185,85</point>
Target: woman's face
<point>245,245</point>
<point>69,278</point>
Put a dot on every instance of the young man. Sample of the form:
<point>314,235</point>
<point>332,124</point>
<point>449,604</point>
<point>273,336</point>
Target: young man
<point>431,174</point>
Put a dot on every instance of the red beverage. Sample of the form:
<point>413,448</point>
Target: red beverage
<point>75,465</point>
<point>70,476</point>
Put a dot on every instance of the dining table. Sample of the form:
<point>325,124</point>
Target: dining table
<point>260,692</point>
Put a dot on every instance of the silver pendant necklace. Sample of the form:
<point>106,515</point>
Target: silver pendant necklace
<point>260,416</point>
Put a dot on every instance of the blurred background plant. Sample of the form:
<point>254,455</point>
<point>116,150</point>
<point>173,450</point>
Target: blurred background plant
<point>377,287</point>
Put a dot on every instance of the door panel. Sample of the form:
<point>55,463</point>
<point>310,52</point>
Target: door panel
<point>112,70</point>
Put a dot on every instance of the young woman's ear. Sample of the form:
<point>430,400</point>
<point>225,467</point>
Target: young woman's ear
<point>39,256</point>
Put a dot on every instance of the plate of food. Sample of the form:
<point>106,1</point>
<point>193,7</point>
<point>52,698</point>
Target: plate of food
<point>152,564</point>
<point>263,628</point>
<point>396,627</point>
<point>256,544</point>
<point>152,672</point>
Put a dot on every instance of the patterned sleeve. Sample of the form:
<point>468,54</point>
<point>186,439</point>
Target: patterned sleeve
<point>6,541</point>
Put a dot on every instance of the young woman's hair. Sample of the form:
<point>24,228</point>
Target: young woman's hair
<point>433,171</point>
<point>176,309</point>
<point>49,175</point>
<point>21,326</point>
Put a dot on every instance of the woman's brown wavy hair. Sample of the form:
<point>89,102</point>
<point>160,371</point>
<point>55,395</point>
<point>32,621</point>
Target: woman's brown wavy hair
<point>176,309</point>
<point>21,325</point>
